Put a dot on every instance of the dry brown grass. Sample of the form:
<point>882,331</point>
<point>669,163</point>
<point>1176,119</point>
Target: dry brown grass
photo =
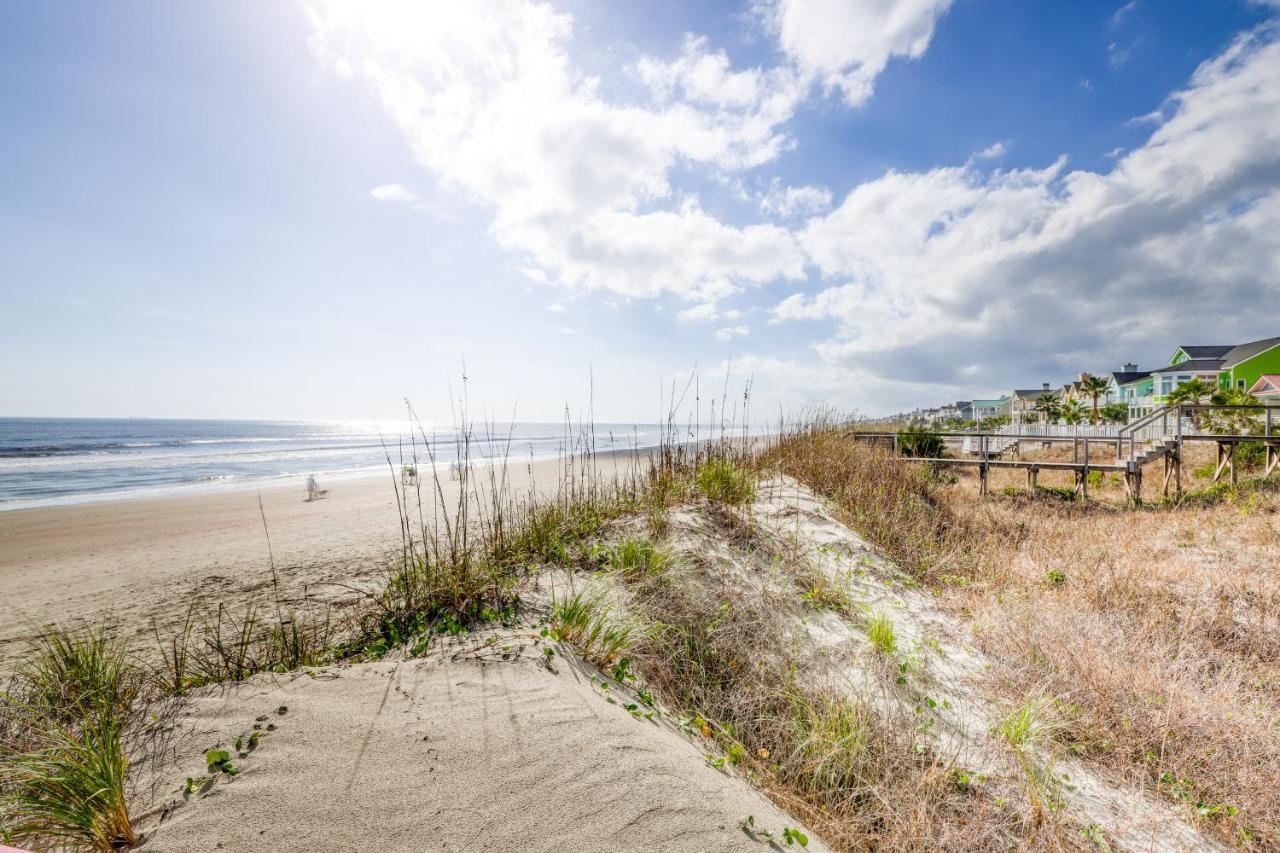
<point>1157,630</point>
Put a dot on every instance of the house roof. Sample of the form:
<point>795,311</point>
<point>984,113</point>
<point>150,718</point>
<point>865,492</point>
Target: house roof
<point>1192,365</point>
<point>1214,351</point>
<point>1268,385</point>
<point>1247,351</point>
<point>1220,357</point>
<point>963,404</point>
<point>1128,377</point>
<point>1031,393</point>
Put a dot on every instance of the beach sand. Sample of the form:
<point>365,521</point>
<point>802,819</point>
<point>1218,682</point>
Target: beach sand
<point>453,755</point>
<point>124,562</point>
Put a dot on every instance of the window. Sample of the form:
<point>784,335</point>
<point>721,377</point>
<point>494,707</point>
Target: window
<point>1240,384</point>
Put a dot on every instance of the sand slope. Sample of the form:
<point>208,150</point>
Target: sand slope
<point>423,755</point>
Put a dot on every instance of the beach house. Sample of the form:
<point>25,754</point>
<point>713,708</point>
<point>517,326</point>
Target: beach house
<point>992,408</point>
<point>1133,388</point>
<point>1023,408</point>
<point>1267,388</point>
<point>1236,366</point>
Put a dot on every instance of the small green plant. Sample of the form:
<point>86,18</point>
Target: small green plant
<point>725,481</point>
<point>1056,577</point>
<point>583,620</point>
<point>67,784</point>
<point>219,761</point>
<point>790,835</point>
<point>881,633</point>
<point>1029,729</point>
<point>637,558</point>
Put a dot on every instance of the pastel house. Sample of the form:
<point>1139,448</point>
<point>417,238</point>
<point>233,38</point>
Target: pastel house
<point>1223,366</point>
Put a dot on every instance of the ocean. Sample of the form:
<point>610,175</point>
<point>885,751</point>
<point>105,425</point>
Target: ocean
<point>47,461</point>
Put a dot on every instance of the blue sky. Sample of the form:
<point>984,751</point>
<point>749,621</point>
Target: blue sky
<point>296,210</point>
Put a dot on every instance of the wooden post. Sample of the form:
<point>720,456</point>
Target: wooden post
<point>1231,460</point>
<point>1084,474</point>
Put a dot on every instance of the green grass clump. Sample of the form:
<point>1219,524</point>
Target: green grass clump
<point>727,482</point>
<point>637,558</point>
<point>881,633</point>
<point>67,784</point>
<point>1029,729</point>
<point>834,742</point>
<point>585,621</point>
<point>63,763</point>
<point>72,672</point>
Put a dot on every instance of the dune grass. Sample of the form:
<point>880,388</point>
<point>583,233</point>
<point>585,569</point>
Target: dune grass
<point>726,480</point>
<point>1160,670</point>
<point>64,721</point>
<point>1159,643</point>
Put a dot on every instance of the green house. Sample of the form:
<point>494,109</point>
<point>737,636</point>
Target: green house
<point>992,408</point>
<point>1225,366</point>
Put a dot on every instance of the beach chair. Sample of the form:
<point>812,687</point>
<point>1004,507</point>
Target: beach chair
<point>314,492</point>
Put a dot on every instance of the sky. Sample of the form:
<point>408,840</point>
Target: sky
<point>292,210</point>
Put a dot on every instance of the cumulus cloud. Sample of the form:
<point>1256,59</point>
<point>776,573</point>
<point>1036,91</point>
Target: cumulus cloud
<point>728,333</point>
<point>486,97</point>
<point>957,272</point>
<point>794,201</point>
<point>845,44</point>
<point>393,193</point>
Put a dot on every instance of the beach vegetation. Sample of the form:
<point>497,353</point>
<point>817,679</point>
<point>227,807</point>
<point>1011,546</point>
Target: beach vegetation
<point>726,481</point>
<point>65,720</point>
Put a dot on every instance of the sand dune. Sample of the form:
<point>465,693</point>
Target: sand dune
<point>423,755</point>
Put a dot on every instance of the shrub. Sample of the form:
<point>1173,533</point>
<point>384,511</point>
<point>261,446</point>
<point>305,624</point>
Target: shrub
<point>917,443</point>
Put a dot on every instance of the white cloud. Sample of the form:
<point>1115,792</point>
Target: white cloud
<point>994,151</point>
<point>957,272</point>
<point>728,333</point>
<point>845,44</point>
<point>555,308</point>
<point>486,97</point>
<point>393,193</point>
<point>794,201</point>
<point>708,312</point>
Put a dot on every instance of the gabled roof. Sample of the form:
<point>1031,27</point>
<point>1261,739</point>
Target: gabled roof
<point>1247,351</point>
<point>1030,394</point>
<point>963,404</point>
<point>1192,365</point>
<point>1215,351</point>
<point>1267,386</point>
<point>1128,377</point>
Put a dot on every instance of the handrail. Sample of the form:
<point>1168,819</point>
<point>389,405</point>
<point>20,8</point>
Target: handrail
<point>1144,421</point>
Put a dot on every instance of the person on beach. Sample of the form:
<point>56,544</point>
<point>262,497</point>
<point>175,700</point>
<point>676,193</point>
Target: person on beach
<point>313,488</point>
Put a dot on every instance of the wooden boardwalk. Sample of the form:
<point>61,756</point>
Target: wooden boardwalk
<point>1158,437</point>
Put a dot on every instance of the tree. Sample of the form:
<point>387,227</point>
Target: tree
<point>1073,412</point>
<point>1114,413</point>
<point>1234,421</point>
<point>1049,406</point>
<point>1191,392</point>
<point>1094,387</point>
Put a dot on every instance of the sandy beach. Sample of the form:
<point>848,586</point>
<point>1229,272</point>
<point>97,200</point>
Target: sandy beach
<point>126,562</point>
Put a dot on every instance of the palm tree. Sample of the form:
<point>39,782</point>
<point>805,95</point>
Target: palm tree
<point>1191,392</point>
<point>1234,421</point>
<point>1073,412</point>
<point>1094,387</point>
<point>1049,406</point>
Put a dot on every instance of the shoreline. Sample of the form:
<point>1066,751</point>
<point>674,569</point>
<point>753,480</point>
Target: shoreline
<point>143,560</point>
